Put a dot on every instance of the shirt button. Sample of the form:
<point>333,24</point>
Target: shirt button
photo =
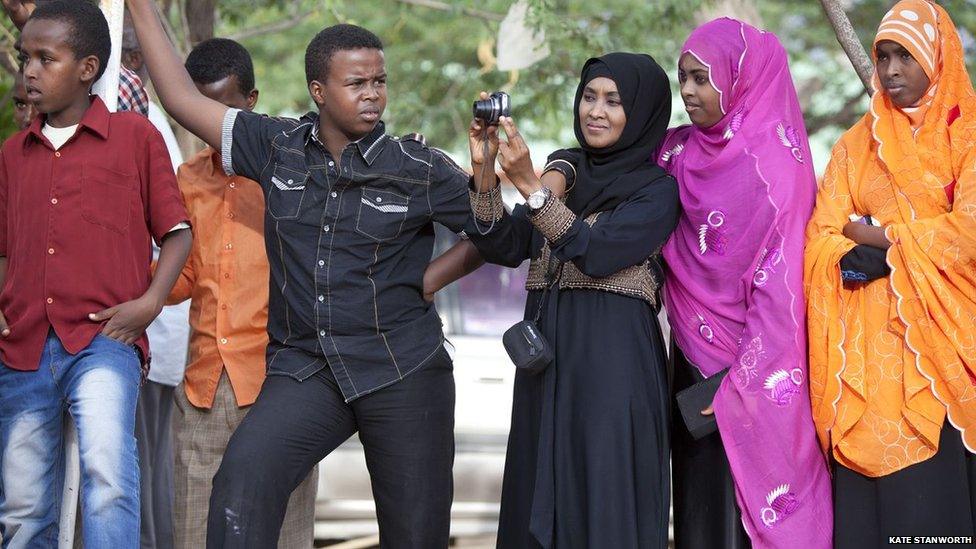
<point>321,263</point>
<point>54,201</point>
<point>322,333</point>
<point>331,164</point>
<point>326,228</point>
<point>226,275</point>
<point>50,301</point>
<point>230,215</point>
<point>223,341</point>
<point>223,306</point>
<point>379,199</point>
<point>334,194</point>
<point>321,298</point>
<point>57,154</point>
<point>230,246</point>
<point>50,251</point>
<point>233,185</point>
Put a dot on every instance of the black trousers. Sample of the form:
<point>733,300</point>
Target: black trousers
<point>706,515</point>
<point>407,430</point>
<point>154,438</point>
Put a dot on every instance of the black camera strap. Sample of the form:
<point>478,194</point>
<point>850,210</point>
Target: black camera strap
<point>551,279</point>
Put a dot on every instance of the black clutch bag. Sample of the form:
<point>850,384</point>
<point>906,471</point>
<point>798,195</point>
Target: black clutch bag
<point>692,400</point>
<point>527,348</point>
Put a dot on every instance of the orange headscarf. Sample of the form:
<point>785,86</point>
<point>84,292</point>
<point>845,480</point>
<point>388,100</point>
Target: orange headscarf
<point>890,358</point>
<point>914,25</point>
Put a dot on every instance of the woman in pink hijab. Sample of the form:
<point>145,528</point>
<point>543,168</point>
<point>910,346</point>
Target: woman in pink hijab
<point>734,298</point>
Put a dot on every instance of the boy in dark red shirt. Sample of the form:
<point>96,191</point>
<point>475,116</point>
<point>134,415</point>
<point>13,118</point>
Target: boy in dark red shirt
<point>82,192</point>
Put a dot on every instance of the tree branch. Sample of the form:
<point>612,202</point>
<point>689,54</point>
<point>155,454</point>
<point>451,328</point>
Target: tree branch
<point>185,43</point>
<point>849,41</point>
<point>845,117</point>
<point>7,63</point>
<point>444,6</point>
<point>277,26</point>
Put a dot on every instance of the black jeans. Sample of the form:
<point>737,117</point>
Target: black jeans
<point>407,430</point>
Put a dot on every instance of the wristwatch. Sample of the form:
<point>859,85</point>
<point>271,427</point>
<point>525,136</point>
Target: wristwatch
<point>537,199</point>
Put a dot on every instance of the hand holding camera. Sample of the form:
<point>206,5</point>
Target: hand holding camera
<point>490,112</point>
<point>490,108</point>
<point>515,159</point>
<point>483,138</point>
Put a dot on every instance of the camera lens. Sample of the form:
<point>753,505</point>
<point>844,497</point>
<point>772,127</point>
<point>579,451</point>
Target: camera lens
<point>490,110</point>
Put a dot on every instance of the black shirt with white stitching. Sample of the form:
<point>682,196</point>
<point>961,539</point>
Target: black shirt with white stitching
<point>348,242</point>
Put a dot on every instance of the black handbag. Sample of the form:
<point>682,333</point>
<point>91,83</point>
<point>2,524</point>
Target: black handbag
<point>692,400</point>
<point>524,342</point>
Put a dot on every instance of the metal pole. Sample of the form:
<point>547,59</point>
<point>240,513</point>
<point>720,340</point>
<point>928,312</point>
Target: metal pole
<point>108,86</point>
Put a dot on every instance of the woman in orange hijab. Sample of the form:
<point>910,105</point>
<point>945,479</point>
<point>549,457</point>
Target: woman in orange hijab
<point>891,286</point>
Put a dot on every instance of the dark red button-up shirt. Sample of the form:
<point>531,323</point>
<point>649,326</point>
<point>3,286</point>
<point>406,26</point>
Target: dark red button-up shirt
<point>75,227</point>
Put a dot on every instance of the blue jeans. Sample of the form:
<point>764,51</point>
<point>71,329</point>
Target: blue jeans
<point>99,387</point>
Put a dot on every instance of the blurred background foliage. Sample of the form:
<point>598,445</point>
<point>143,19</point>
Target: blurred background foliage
<point>440,54</point>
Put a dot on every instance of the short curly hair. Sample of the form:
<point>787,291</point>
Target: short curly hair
<point>215,59</point>
<point>89,31</point>
<point>319,52</point>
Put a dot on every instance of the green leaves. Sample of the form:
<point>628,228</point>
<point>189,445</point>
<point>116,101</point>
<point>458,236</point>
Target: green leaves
<point>432,52</point>
<point>432,55</point>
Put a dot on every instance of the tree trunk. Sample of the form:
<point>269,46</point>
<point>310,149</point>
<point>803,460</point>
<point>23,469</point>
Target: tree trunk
<point>200,18</point>
<point>849,41</point>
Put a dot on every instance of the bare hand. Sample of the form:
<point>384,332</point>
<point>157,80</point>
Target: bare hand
<point>708,411</point>
<point>127,321</point>
<point>515,159</point>
<point>4,329</point>
<point>18,11</point>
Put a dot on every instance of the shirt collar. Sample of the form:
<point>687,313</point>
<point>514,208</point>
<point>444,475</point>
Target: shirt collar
<point>368,146</point>
<point>95,119</point>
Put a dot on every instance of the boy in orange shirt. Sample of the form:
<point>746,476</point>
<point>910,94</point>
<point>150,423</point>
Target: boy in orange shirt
<point>226,279</point>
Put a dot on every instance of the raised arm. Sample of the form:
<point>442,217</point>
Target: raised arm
<point>204,117</point>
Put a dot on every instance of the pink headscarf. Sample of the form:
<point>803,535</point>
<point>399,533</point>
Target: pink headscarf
<point>734,290</point>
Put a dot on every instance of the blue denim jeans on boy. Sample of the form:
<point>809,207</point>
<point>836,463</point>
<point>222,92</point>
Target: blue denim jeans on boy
<point>99,387</point>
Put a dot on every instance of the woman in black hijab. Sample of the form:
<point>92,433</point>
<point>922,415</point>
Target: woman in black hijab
<point>587,462</point>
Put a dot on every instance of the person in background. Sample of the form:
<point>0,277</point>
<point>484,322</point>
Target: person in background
<point>24,111</point>
<point>168,339</point>
<point>82,194</point>
<point>227,288</point>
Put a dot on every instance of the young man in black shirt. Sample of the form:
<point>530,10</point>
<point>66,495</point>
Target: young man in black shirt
<point>354,347</point>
